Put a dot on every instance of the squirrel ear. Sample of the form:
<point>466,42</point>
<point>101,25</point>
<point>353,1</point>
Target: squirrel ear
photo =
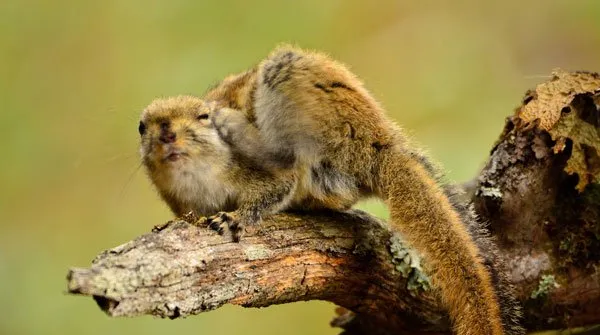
<point>206,107</point>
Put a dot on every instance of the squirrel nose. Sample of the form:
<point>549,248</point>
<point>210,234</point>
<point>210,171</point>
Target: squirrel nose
<point>167,136</point>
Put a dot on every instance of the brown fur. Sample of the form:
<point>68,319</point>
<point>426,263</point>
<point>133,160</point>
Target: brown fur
<point>301,131</point>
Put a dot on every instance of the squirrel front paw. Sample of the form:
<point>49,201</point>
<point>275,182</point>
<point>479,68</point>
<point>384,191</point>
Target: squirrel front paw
<point>234,223</point>
<point>227,222</point>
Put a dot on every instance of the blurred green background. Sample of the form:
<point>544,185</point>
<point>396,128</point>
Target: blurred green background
<point>74,76</point>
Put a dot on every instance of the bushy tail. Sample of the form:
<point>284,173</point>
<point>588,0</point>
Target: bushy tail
<point>424,215</point>
<point>510,308</point>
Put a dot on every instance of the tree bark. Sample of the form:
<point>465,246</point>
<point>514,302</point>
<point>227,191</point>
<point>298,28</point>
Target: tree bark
<point>538,192</point>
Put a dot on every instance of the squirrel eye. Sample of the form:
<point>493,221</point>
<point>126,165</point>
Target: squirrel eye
<point>142,128</point>
<point>202,117</point>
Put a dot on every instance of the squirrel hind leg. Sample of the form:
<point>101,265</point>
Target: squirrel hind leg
<point>331,187</point>
<point>244,138</point>
<point>279,66</point>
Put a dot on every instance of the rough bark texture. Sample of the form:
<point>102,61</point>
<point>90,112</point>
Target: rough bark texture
<point>538,191</point>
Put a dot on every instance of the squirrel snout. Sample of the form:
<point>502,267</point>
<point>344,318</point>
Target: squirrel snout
<point>166,135</point>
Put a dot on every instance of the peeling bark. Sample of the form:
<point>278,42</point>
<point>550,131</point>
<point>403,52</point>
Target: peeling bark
<point>538,191</point>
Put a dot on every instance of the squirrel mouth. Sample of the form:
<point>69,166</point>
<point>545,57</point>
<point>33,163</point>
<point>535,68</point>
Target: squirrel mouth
<point>174,156</point>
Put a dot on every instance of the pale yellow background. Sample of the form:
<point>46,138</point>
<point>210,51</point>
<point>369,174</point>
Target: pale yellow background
<point>74,76</point>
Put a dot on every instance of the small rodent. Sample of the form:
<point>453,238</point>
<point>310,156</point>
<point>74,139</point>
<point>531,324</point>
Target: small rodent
<point>301,131</point>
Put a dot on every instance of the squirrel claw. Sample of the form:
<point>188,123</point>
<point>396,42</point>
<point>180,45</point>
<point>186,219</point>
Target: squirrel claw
<point>224,222</point>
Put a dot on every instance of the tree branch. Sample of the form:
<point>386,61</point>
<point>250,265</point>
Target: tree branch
<point>537,191</point>
<point>186,269</point>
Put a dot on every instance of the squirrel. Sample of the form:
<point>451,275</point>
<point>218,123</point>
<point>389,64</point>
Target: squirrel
<point>301,131</point>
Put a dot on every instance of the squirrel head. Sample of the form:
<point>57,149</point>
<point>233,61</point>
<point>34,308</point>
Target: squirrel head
<point>177,135</point>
